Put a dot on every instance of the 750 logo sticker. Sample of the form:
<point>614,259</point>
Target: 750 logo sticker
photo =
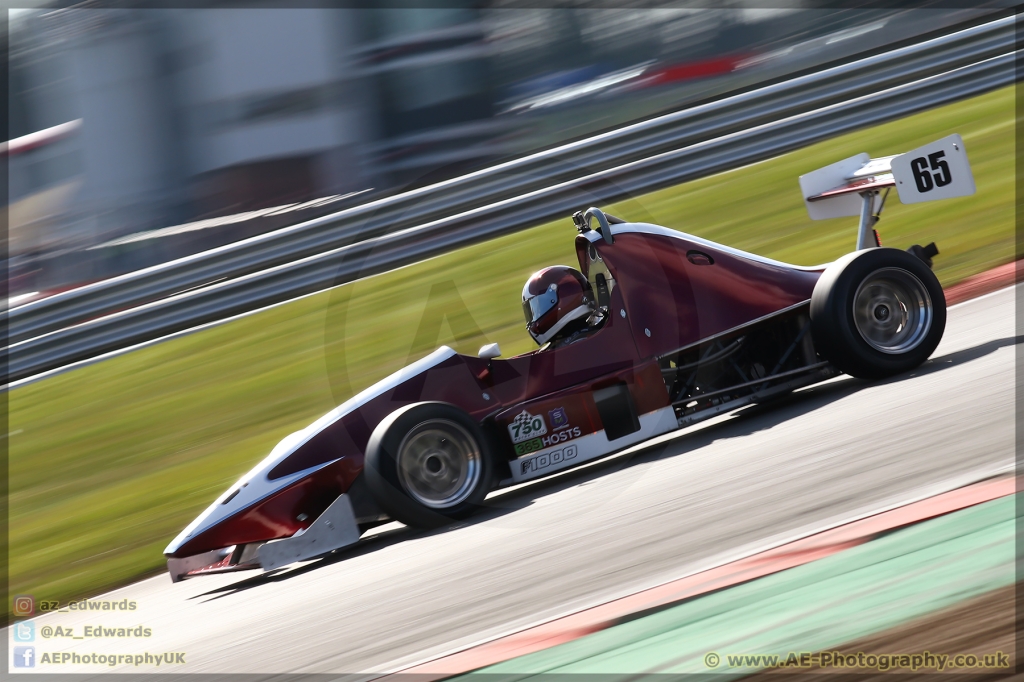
<point>526,426</point>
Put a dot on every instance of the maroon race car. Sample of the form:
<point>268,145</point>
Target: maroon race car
<point>656,330</point>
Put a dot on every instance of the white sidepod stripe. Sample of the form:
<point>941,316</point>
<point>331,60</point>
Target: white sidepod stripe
<point>247,495</point>
<point>255,486</point>
<point>572,452</point>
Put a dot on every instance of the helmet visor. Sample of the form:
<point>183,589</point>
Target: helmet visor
<point>536,307</point>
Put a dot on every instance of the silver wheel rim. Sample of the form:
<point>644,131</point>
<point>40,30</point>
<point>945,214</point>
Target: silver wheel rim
<point>892,310</point>
<point>439,463</point>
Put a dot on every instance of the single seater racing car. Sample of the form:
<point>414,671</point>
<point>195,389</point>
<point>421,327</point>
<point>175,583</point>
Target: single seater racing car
<point>655,330</point>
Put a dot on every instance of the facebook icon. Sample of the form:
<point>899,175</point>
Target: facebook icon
<point>24,657</point>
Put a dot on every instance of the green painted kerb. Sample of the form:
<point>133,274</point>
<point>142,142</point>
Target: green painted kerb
<point>823,604</point>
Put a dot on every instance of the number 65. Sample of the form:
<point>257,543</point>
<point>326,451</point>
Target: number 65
<point>925,180</point>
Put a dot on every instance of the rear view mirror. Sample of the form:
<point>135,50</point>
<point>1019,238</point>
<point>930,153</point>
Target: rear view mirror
<point>490,351</point>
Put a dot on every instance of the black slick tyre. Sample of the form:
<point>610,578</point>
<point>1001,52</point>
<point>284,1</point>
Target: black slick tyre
<point>428,464</point>
<point>877,312</point>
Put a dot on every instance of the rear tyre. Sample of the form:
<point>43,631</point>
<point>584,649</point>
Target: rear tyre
<point>877,312</point>
<point>428,464</point>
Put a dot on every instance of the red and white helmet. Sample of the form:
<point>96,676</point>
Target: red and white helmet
<point>554,297</point>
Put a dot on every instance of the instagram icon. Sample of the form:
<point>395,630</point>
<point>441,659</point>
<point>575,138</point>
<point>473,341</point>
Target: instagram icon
<point>24,605</point>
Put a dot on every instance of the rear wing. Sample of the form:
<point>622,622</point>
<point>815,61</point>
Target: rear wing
<point>850,187</point>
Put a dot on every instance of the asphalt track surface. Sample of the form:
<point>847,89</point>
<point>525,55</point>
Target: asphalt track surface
<point>680,503</point>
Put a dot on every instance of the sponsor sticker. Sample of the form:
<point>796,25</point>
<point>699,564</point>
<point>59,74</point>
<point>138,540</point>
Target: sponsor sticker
<point>558,418</point>
<point>526,426</point>
<point>529,446</point>
<point>535,444</point>
<point>543,461</point>
<point>561,436</point>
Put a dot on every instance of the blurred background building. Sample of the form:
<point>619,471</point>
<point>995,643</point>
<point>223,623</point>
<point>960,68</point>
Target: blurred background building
<point>142,135</point>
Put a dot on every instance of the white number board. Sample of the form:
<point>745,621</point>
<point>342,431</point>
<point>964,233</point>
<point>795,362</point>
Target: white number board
<point>938,170</point>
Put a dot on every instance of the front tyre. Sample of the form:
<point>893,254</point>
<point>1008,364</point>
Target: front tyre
<point>877,312</point>
<point>427,464</point>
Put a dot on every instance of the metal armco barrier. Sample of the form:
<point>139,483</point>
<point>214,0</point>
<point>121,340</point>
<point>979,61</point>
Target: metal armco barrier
<point>388,233</point>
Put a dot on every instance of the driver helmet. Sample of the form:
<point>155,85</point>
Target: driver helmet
<point>554,297</point>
